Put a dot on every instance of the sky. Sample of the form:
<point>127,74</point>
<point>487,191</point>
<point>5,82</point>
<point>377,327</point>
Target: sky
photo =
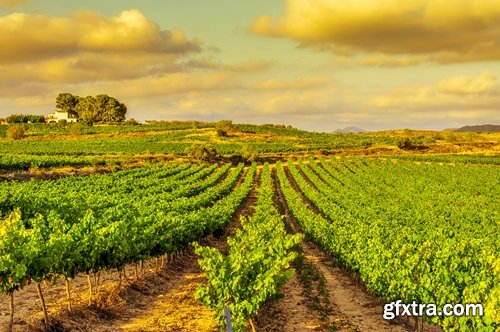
<point>315,64</point>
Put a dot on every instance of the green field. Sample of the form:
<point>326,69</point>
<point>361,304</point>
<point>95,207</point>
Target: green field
<point>414,227</point>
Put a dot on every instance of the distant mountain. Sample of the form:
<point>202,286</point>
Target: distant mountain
<point>350,130</point>
<point>480,128</point>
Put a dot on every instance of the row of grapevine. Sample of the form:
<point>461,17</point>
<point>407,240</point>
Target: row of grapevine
<point>257,264</point>
<point>453,158</point>
<point>424,233</point>
<point>11,161</point>
<point>52,243</point>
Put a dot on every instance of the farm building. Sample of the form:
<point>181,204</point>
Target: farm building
<point>60,115</point>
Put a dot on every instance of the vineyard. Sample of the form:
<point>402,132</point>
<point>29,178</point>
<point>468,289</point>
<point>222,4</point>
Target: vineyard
<point>416,230</point>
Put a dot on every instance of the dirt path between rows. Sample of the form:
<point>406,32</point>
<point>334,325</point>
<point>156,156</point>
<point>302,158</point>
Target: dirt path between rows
<point>351,307</point>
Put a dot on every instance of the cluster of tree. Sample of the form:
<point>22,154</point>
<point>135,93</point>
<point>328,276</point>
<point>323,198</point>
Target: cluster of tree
<point>92,109</point>
<point>25,118</point>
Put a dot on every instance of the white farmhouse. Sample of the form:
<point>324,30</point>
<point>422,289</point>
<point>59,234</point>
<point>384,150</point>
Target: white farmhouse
<point>60,115</point>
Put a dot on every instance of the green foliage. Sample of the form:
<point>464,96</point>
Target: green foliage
<point>225,126</point>
<point>15,132</point>
<point>404,143</point>
<point>175,137</point>
<point>76,129</point>
<point>205,152</point>
<point>25,118</point>
<point>59,228</point>
<point>131,122</point>
<point>453,158</point>
<point>99,109</point>
<point>87,110</point>
<point>67,103</point>
<point>258,262</point>
<point>424,233</point>
<point>221,133</point>
<point>248,153</point>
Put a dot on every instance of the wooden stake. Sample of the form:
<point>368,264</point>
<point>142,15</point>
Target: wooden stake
<point>11,307</point>
<point>125,275</point>
<point>120,277</point>
<point>251,324</point>
<point>44,308</point>
<point>98,282</point>
<point>136,272</point>
<point>95,283</point>
<point>90,288</point>
<point>68,294</point>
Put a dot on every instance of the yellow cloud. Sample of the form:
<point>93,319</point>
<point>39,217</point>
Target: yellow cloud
<point>390,61</point>
<point>248,66</point>
<point>298,83</point>
<point>442,31</point>
<point>27,37</point>
<point>169,84</point>
<point>468,85</point>
<point>11,3</point>
<point>476,92</point>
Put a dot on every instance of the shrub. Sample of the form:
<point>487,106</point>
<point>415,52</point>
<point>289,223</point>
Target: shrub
<point>225,125</point>
<point>404,143</point>
<point>25,118</point>
<point>132,122</point>
<point>221,133</point>
<point>202,152</point>
<point>76,129</point>
<point>15,132</point>
<point>248,153</point>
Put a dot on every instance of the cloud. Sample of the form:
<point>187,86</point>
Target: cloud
<point>248,66</point>
<point>388,61</point>
<point>89,47</point>
<point>468,85</point>
<point>90,67</point>
<point>298,83</point>
<point>169,84</point>
<point>27,37</point>
<point>12,3</point>
<point>465,93</point>
<point>442,31</point>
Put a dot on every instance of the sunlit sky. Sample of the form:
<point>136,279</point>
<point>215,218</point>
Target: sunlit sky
<point>315,64</point>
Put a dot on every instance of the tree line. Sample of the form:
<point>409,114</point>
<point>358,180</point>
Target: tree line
<point>25,118</point>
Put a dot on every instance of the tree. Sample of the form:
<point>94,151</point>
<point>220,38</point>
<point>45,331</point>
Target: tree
<point>67,103</point>
<point>110,109</point>
<point>87,110</point>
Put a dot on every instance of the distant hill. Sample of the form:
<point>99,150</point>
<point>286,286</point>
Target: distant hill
<point>481,128</point>
<point>350,130</point>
